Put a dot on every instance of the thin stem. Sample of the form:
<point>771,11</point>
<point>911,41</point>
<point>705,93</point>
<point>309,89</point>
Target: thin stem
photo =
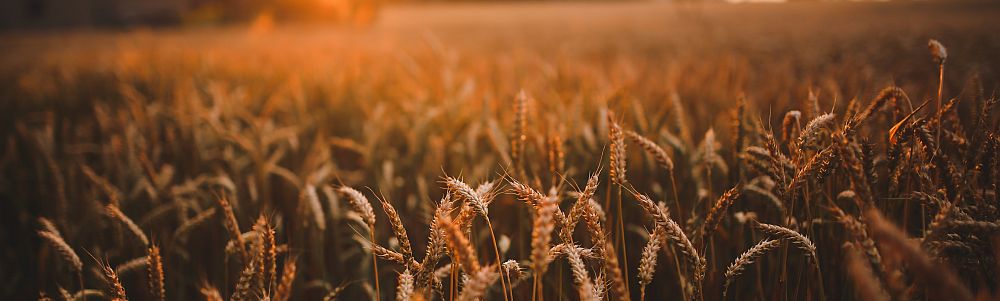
<point>819,274</point>
<point>79,276</point>
<point>677,199</point>
<point>940,90</point>
<point>453,280</point>
<point>624,244</point>
<point>534,287</point>
<point>680,275</point>
<point>378,291</point>
<point>496,250</point>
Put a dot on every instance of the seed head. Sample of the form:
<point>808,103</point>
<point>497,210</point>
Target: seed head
<point>938,51</point>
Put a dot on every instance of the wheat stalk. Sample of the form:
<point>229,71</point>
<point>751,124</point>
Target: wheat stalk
<point>459,247</point>
<point>868,285</point>
<point>284,289</point>
<point>399,230</point>
<point>55,240</point>
<point>580,275</point>
<point>714,216</point>
<point>233,226</point>
<point>647,263</point>
<point>117,214</point>
<point>800,241</point>
<point>478,283</point>
<point>405,290</point>
<point>115,290</point>
<point>363,207</point>
<point>946,284</point>
<point>746,259</point>
<point>182,231</point>
<point>541,235</point>
<point>154,274</point>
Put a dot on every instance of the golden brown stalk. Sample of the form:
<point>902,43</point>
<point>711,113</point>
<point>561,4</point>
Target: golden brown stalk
<point>115,291</point>
<point>675,235</point>
<point>390,255</point>
<point>746,259</point>
<point>541,235</point>
<point>941,282</point>
<point>117,214</point>
<point>233,226</point>
<point>679,115</point>
<point>520,127</point>
<point>284,289</point>
<point>527,194</point>
<point>884,97</point>
<point>580,276</point>
<point>789,126</point>
<point>513,271</point>
<point>435,243</point>
<point>464,192</point>
<point>714,216</point>
<point>800,241</point>
<point>154,273</point>
<point>114,195</point>
<point>895,133</point>
<point>658,153</point>
<point>865,282</point>
<point>133,265</point>
<point>334,293</point>
<point>210,292</point>
<point>617,160</point>
<point>246,286</point>
<point>309,197</point>
<point>269,253</point>
<point>813,130</point>
<point>813,103</point>
<point>360,204</point>
<point>959,226</point>
<point>818,168</point>
<point>363,207</point>
<point>48,225</point>
<point>556,157</point>
<point>940,55</point>
<point>613,271</point>
<point>405,290</point>
<point>399,230</point>
<point>740,135</point>
<point>459,247</point>
<point>647,263</point>
<point>478,283</point>
<point>579,208</point>
<point>192,223</point>
<point>859,233</point>
<point>65,251</point>
<point>479,200</point>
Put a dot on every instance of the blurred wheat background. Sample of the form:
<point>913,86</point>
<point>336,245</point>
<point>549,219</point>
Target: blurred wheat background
<point>801,151</point>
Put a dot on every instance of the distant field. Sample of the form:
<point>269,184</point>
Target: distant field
<point>231,149</point>
<point>861,46</point>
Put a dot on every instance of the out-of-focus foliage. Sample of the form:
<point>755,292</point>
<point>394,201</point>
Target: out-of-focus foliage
<point>158,126</point>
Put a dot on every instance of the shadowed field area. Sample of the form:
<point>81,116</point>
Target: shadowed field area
<point>801,151</point>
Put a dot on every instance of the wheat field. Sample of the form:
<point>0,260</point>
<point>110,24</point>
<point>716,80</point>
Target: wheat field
<point>530,151</point>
